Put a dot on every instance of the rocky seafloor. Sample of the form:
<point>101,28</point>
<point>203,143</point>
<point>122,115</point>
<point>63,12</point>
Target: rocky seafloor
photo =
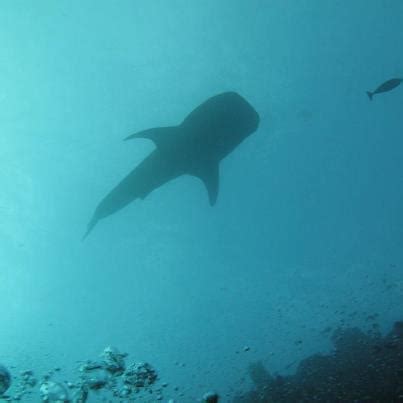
<point>363,367</point>
<point>108,379</point>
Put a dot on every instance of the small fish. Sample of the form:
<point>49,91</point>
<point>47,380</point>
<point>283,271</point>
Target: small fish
<point>385,87</point>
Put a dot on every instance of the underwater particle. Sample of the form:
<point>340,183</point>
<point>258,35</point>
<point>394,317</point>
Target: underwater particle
<point>210,397</point>
<point>54,392</point>
<point>246,348</point>
<point>139,375</point>
<point>5,379</point>
<point>305,114</point>
<point>113,360</point>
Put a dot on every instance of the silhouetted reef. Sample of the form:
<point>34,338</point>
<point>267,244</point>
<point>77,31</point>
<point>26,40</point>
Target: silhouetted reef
<point>363,367</point>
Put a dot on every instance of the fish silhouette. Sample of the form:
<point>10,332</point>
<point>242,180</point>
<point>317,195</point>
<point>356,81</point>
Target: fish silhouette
<point>385,87</point>
<point>195,147</point>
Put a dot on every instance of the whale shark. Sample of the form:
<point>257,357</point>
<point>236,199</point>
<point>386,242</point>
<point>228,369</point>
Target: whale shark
<point>195,147</point>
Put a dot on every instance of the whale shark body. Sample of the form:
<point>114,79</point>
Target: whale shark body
<point>195,147</point>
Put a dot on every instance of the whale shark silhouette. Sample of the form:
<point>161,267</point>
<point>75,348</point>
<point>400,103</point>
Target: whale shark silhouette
<point>195,147</point>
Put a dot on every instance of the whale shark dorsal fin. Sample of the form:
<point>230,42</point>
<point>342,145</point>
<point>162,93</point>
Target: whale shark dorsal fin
<point>159,135</point>
<point>210,175</point>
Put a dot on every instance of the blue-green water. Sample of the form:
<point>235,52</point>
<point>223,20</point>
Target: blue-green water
<point>307,230</point>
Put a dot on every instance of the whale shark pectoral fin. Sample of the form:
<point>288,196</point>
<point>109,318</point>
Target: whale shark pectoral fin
<point>210,175</point>
<point>159,135</point>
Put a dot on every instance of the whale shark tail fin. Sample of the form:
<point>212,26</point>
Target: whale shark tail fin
<point>90,227</point>
<point>370,95</point>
